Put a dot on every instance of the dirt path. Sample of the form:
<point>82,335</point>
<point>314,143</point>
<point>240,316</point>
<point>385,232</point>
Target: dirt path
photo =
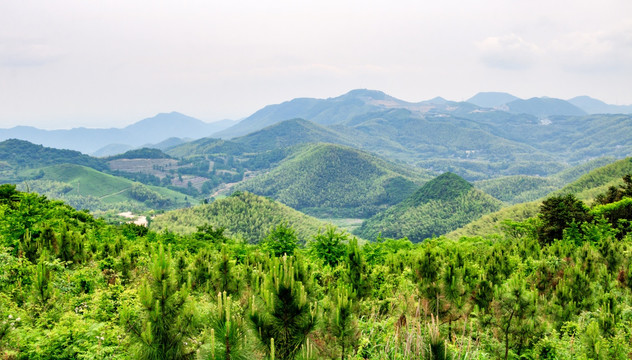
<point>116,193</point>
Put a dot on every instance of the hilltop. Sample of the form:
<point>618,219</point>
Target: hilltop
<point>335,180</point>
<point>244,215</point>
<point>443,204</point>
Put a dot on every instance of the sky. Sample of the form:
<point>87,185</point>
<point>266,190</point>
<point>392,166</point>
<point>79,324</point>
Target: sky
<point>73,63</point>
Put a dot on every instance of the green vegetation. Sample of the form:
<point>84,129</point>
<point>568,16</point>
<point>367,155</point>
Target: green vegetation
<point>72,286</point>
<point>18,155</point>
<point>242,214</point>
<point>328,180</point>
<point>86,188</point>
<point>440,206</point>
<point>144,153</point>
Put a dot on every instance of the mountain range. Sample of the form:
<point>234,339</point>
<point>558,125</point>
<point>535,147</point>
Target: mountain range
<point>112,141</point>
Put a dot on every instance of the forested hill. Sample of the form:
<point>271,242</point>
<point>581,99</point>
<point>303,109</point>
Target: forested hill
<point>20,154</point>
<point>288,133</point>
<point>438,207</point>
<point>587,187</point>
<point>244,215</point>
<point>327,179</point>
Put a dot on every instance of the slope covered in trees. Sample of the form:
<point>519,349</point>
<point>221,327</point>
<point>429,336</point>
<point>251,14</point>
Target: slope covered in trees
<point>438,207</point>
<point>587,187</point>
<point>243,214</point>
<point>20,154</point>
<point>557,286</point>
<point>334,180</point>
<point>289,133</point>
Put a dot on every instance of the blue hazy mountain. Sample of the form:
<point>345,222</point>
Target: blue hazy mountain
<point>595,106</point>
<point>150,130</point>
<point>491,99</point>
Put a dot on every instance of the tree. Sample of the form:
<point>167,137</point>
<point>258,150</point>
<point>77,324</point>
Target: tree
<point>557,213</point>
<point>167,316</point>
<point>515,310</point>
<point>281,240</point>
<point>284,316</point>
<point>228,333</point>
<point>329,246</point>
<point>341,323</point>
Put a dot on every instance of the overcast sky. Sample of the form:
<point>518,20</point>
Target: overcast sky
<point>110,63</point>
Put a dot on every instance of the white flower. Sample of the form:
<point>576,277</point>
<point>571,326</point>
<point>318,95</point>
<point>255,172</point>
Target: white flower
<point>18,319</point>
<point>10,316</point>
<point>102,338</point>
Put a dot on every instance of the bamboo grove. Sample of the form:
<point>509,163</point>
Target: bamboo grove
<point>557,286</point>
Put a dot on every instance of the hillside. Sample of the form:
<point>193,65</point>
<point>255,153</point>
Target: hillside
<point>20,154</point>
<point>289,133</point>
<point>543,106</point>
<point>337,181</point>
<point>585,187</point>
<point>244,215</point>
<point>86,188</point>
<point>438,207</point>
<point>520,188</point>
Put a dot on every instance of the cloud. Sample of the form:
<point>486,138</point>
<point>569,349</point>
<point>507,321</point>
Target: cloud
<point>19,53</point>
<point>603,50</point>
<point>508,52</point>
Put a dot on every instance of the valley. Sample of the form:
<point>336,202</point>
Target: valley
<point>496,227</point>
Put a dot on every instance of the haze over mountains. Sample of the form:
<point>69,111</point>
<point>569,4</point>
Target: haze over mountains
<point>170,129</point>
<point>148,131</point>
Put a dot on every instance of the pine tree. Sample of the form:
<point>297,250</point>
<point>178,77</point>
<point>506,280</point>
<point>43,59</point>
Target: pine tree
<point>228,333</point>
<point>341,322</point>
<point>166,321</point>
<point>284,315</point>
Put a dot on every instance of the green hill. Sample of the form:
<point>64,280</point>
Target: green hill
<point>440,206</point>
<point>288,133</point>
<point>86,188</point>
<point>586,188</point>
<point>598,180</point>
<point>521,188</point>
<point>20,154</point>
<point>243,215</point>
<point>328,180</point>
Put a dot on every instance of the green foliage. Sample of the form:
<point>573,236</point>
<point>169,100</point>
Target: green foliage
<point>440,206</point>
<point>283,316</point>
<point>23,154</point>
<point>88,290</point>
<point>165,325</point>
<point>242,215</point>
<point>281,240</point>
<point>337,180</point>
<point>557,213</point>
<point>330,245</point>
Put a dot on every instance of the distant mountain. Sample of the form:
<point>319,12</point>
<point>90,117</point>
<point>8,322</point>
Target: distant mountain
<point>321,111</point>
<point>288,133</point>
<point>335,180</point>
<point>594,106</point>
<point>151,130</point>
<point>336,110</point>
<point>491,99</point>
<point>243,215</point>
<point>543,107</point>
<point>112,149</point>
<point>438,207</point>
